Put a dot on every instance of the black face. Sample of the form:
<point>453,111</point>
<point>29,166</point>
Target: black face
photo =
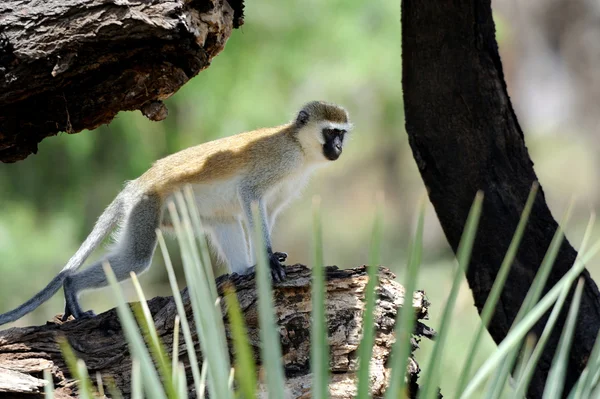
<point>332,149</point>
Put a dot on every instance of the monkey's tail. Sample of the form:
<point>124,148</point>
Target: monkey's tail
<point>34,302</point>
<point>106,222</point>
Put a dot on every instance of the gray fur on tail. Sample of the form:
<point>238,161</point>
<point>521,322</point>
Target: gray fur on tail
<point>106,222</point>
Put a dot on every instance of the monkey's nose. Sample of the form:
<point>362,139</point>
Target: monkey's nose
<point>338,147</point>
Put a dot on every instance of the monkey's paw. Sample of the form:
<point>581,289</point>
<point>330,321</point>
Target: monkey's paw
<point>277,269</point>
<point>83,315</point>
<point>281,256</point>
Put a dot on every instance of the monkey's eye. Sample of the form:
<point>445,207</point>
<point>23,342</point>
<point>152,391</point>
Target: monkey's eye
<point>334,132</point>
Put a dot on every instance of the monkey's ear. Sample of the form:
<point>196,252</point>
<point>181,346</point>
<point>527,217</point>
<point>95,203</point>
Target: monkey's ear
<point>302,118</point>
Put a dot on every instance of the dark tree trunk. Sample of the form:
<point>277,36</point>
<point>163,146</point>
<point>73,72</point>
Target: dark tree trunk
<point>465,137</point>
<point>69,65</point>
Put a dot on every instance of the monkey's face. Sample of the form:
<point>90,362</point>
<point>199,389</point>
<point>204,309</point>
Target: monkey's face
<point>333,142</point>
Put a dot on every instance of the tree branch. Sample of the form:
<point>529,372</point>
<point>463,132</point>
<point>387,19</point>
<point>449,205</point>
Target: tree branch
<point>74,64</point>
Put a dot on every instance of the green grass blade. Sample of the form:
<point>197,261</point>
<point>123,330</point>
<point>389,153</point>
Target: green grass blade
<point>584,386</point>
<point>595,386</point>
<point>432,374</point>
<point>85,384</point>
<point>269,336</point>
<point>209,322</point>
<point>497,382</point>
<point>49,387</point>
<point>494,295</point>
<point>405,318</point>
<point>182,387</point>
<point>175,348</point>
<point>535,291</point>
<point>244,359</point>
<point>186,236</point>
<point>514,337</point>
<point>148,329</point>
<point>203,264</point>
<point>192,205</point>
<point>541,277</point>
<point>231,378</point>
<point>526,352</point>
<point>154,388</point>
<point>524,381</point>
<point>595,392</point>
<point>365,350</point>
<point>113,391</point>
<point>319,355</point>
<point>556,376</point>
<point>85,390</point>
<point>198,301</point>
<point>203,377</point>
<point>99,384</point>
<point>137,390</point>
<point>187,334</point>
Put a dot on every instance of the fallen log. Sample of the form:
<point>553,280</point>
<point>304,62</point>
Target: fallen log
<point>99,341</point>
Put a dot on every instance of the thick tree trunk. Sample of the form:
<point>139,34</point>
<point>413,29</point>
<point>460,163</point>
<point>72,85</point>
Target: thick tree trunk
<point>99,341</point>
<point>69,65</point>
<point>465,137</point>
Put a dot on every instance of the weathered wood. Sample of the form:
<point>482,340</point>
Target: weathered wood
<point>69,65</point>
<point>465,137</point>
<point>99,341</point>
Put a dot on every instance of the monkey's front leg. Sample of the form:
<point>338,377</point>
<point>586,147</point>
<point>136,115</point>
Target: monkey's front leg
<point>275,259</point>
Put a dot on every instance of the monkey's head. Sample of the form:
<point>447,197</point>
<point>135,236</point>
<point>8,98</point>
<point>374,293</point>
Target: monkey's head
<point>322,129</point>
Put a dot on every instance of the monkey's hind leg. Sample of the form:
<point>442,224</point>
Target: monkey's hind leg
<point>133,252</point>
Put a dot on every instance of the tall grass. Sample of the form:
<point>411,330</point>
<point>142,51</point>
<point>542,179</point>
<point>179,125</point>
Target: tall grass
<point>158,374</point>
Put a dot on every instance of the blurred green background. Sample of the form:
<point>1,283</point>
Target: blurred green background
<point>285,55</point>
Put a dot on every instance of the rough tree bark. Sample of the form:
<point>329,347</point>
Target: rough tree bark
<point>465,137</point>
<point>99,341</point>
<point>69,65</point>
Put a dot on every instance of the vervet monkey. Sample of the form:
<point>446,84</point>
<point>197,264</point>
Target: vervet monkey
<point>267,166</point>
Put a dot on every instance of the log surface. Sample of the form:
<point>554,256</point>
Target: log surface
<point>69,65</point>
<point>99,341</point>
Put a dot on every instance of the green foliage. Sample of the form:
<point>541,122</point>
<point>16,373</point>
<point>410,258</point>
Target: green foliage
<point>494,296</point>
<point>144,319</point>
<point>76,368</point>
<point>139,352</point>
<point>151,360</point>
<point>432,374</point>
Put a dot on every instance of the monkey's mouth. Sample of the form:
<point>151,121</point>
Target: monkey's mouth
<point>332,152</point>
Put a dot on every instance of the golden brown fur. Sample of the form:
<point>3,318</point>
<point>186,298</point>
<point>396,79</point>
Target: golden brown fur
<point>220,159</point>
<point>216,160</point>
